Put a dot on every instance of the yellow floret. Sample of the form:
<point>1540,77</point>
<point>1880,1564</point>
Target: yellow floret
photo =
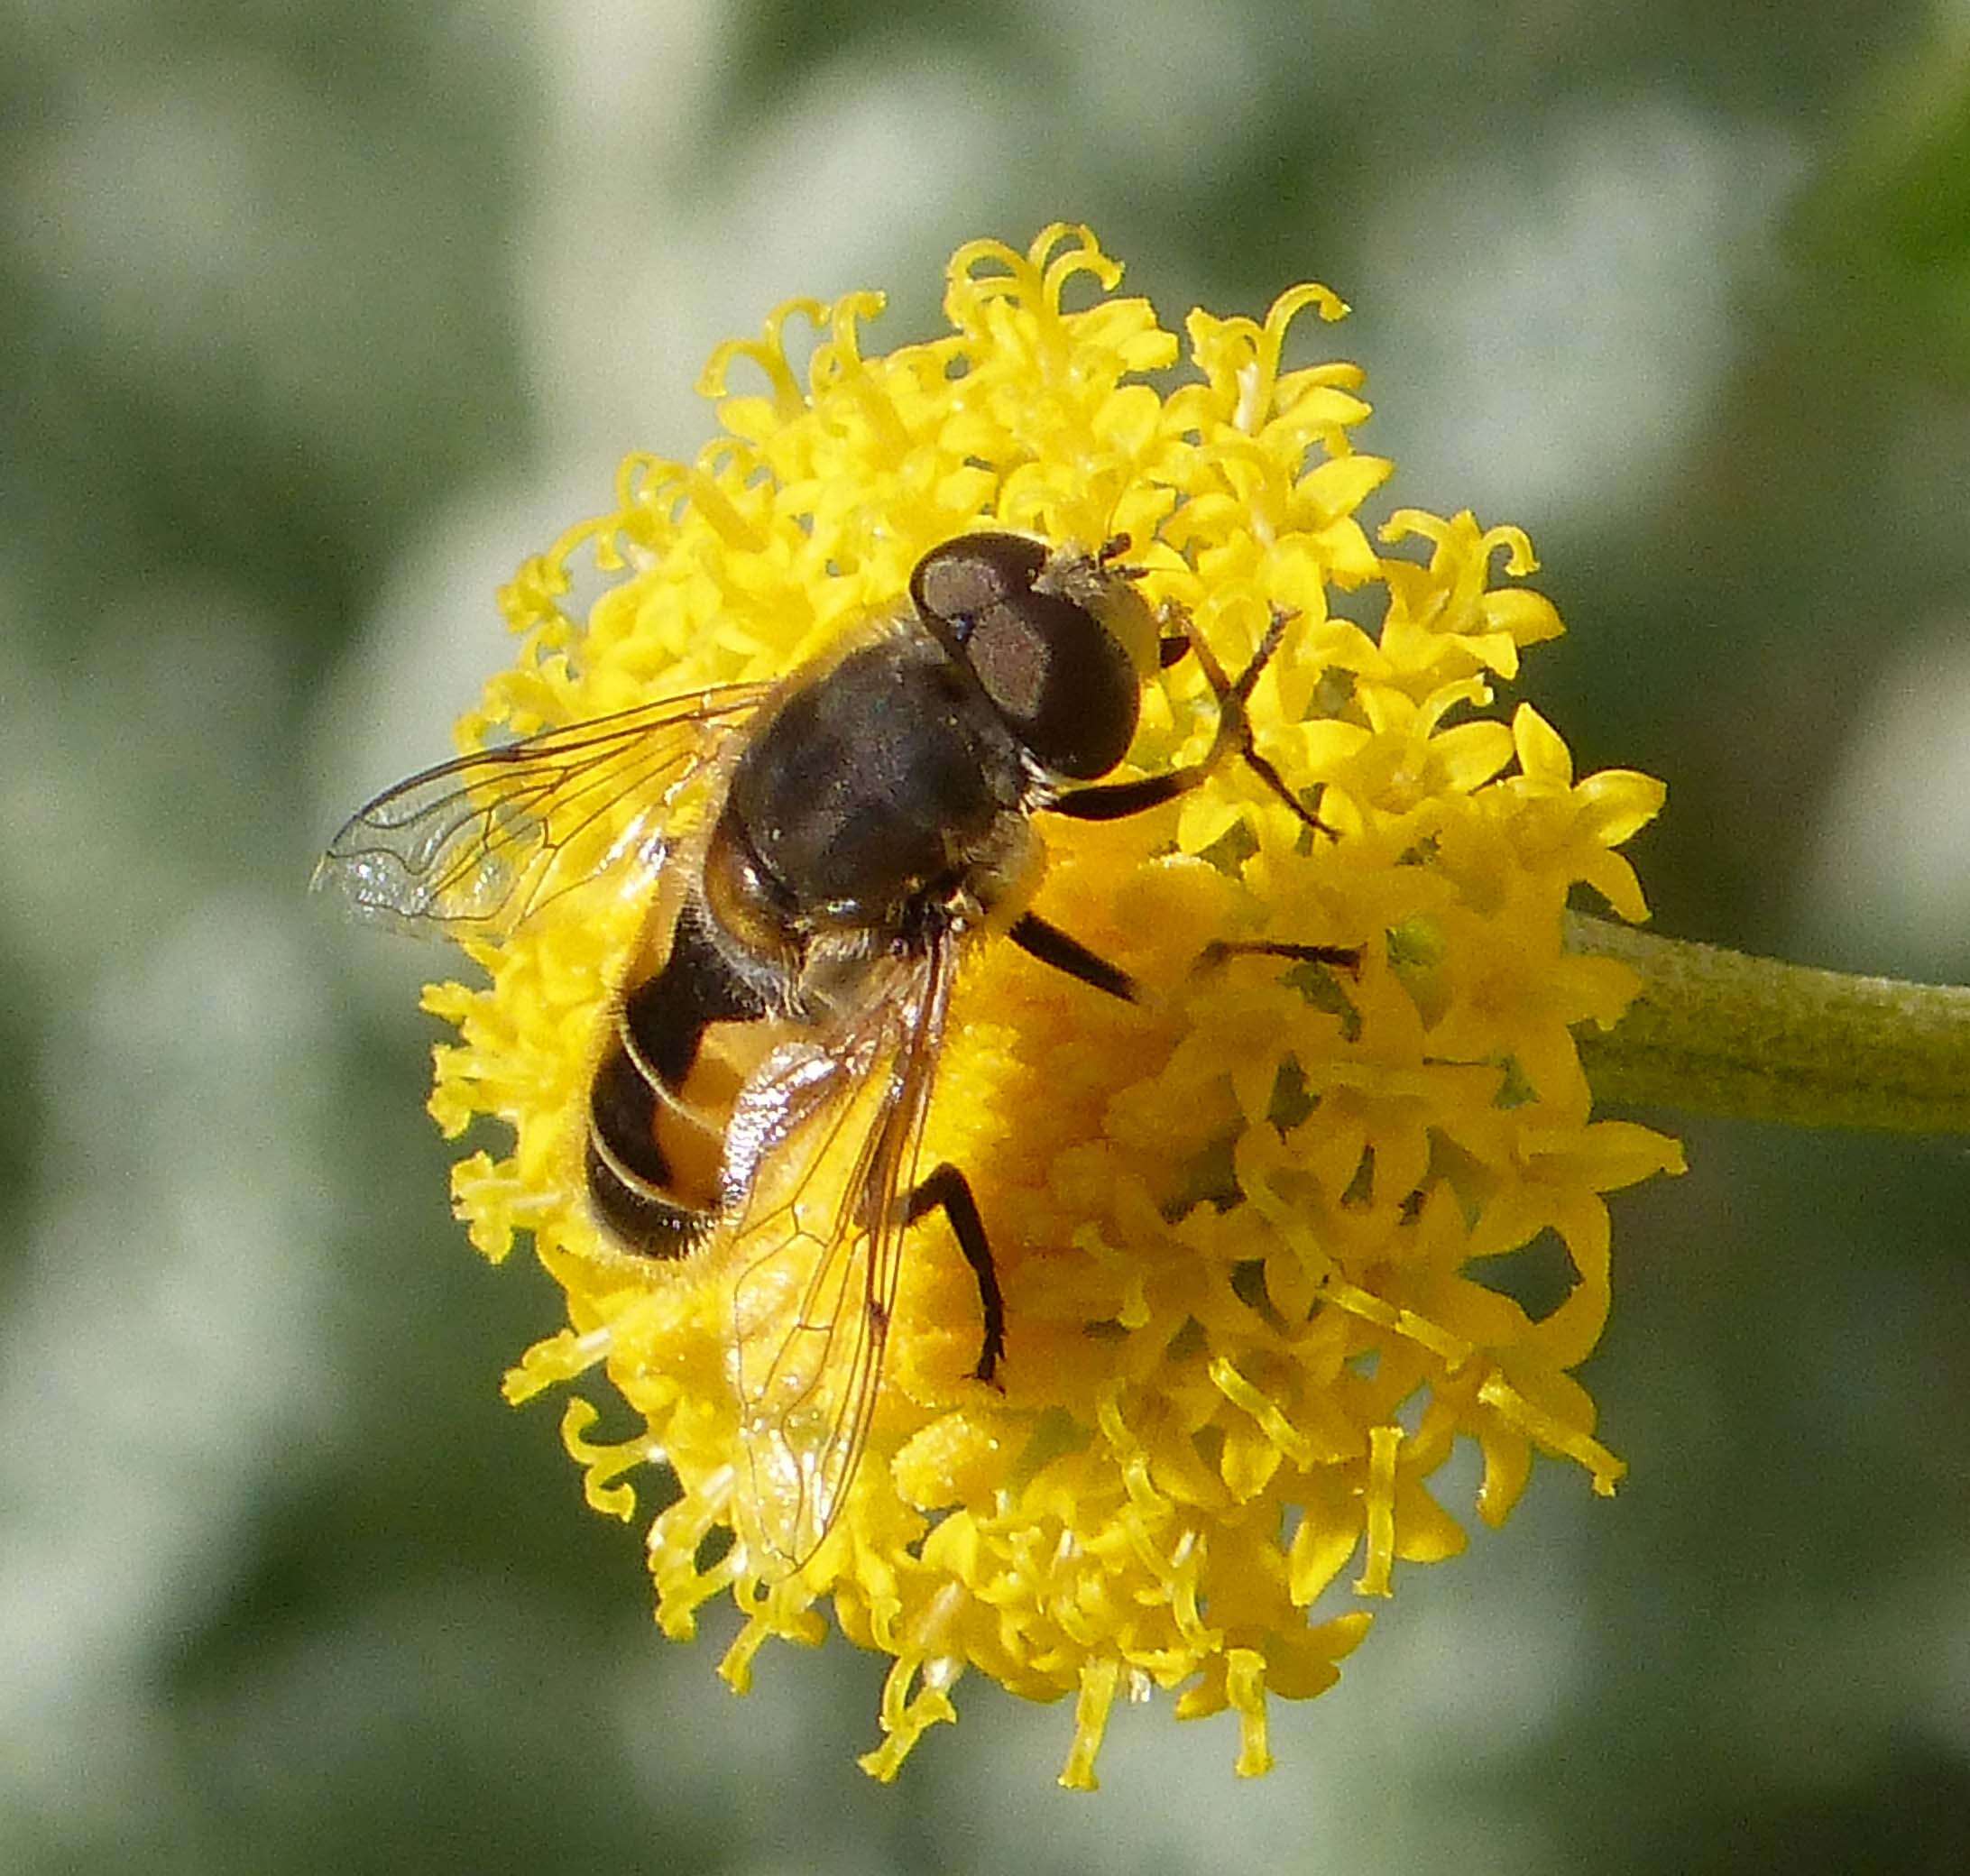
<point>1240,1232</point>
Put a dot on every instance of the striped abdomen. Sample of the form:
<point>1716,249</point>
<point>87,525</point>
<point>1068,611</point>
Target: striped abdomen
<point>660,1098</point>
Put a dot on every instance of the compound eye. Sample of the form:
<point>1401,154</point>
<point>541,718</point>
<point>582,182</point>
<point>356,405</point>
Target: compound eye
<point>1059,680</point>
<point>956,583</point>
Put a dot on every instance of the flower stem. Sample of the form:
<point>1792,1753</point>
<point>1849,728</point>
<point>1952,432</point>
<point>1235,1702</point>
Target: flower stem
<point>1714,1032</point>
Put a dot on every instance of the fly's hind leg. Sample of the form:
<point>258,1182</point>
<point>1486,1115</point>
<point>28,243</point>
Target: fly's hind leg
<point>948,1190</point>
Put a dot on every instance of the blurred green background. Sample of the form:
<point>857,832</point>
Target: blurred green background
<point>317,316</point>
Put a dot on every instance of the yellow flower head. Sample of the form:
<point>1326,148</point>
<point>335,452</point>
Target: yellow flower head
<point>1240,1227</point>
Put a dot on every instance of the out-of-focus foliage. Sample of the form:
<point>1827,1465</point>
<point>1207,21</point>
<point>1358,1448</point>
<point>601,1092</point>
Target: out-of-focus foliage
<point>317,316</point>
<point>1888,218</point>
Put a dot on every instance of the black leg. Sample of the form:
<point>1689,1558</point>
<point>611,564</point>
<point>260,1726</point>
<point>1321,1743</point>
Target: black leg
<point>1050,945</point>
<point>1115,801</point>
<point>949,1188</point>
<point>1338,957</point>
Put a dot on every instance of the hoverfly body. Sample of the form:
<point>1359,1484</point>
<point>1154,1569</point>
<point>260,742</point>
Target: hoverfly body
<point>857,823</point>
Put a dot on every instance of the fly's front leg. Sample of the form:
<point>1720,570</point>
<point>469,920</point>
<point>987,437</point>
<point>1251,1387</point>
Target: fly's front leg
<point>948,1190</point>
<point>1115,801</point>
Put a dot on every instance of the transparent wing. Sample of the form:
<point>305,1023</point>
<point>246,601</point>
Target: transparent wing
<point>819,1249</point>
<point>470,848</point>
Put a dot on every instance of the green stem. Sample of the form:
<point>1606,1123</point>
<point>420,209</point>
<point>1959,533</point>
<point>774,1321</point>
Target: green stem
<point>1714,1032</point>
